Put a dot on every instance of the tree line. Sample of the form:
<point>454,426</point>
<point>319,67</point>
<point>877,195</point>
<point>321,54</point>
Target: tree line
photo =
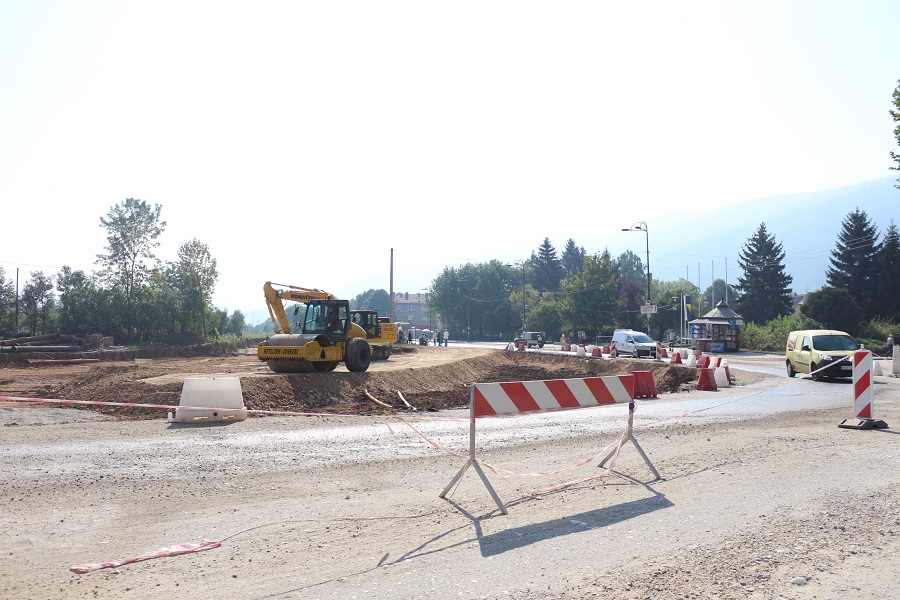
<point>133,296</point>
<point>573,291</point>
<point>138,299</point>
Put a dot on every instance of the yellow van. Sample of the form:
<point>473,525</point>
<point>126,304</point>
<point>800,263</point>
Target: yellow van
<point>814,349</point>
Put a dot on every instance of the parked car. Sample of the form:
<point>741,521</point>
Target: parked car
<point>634,343</point>
<point>811,350</point>
<point>531,338</point>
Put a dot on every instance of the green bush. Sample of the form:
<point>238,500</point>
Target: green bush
<point>772,336</point>
<point>874,334</point>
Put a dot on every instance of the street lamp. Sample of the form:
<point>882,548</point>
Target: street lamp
<point>642,226</point>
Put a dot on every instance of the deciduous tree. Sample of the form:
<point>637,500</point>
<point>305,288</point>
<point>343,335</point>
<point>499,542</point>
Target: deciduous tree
<point>589,303</point>
<point>630,267</point>
<point>834,308</point>
<point>38,301</point>
<point>373,299</point>
<point>132,230</point>
<point>79,307</point>
<point>195,276</point>
<point>7,304</point>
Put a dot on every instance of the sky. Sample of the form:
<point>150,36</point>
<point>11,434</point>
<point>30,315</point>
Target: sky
<point>357,145</point>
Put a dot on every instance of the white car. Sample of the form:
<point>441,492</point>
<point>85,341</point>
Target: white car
<point>634,343</point>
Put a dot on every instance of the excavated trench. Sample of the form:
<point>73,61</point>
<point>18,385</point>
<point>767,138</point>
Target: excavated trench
<point>429,388</point>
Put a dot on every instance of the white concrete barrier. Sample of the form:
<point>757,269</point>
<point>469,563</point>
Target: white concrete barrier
<point>721,376</point>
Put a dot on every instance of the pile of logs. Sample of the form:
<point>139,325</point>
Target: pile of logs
<point>54,342</point>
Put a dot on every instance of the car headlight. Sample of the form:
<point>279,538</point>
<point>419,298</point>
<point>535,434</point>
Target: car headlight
<point>824,356</point>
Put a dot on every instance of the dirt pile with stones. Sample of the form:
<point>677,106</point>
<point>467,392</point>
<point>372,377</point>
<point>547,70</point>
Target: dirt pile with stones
<point>432,388</point>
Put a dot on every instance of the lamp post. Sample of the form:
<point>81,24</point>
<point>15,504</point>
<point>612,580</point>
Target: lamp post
<point>642,226</point>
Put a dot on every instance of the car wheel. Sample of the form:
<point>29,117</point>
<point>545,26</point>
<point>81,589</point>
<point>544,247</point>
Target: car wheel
<point>790,369</point>
<point>812,369</point>
<point>635,354</point>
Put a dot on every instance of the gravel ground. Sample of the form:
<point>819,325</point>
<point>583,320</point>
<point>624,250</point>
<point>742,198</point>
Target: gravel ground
<point>347,507</point>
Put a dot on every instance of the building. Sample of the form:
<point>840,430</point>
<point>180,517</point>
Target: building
<point>414,310</point>
<point>719,330</point>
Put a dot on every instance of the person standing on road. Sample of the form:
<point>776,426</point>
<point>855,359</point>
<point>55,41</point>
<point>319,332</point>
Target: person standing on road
<point>446,336</point>
<point>890,344</point>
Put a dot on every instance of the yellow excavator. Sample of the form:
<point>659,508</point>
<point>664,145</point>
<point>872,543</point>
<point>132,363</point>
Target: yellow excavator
<point>329,333</point>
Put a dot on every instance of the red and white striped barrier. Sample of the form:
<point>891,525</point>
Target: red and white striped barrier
<point>521,397</point>
<point>863,394</point>
<point>862,384</point>
<point>512,398</point>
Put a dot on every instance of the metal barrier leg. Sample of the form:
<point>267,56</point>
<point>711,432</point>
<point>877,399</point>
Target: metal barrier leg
<point>490,488</point>
<point>471,461</point>
<point>629,437</point>
<point>456,478</point>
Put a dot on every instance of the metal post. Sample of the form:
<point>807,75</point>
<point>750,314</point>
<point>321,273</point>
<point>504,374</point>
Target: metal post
<point>642,226</point>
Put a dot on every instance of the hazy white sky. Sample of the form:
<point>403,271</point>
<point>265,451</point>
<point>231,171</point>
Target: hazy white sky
<point>302,141</point>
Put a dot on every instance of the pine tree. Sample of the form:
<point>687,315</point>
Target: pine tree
<point>887,286</point>
<point>573,258</point>
<point>548,270</point>
<point>853,259</point>
<point>765,285</point>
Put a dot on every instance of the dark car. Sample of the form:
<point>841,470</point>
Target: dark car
<point>531,338</point>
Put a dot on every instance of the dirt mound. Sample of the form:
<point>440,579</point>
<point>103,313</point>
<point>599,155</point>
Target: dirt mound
<point>429,388</point>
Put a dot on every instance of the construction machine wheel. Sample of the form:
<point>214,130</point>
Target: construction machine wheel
<point>324,366</point>
<point>359,355</point>
<point>380,352</point>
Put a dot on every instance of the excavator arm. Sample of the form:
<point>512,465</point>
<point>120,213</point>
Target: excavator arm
<point>277,293</point>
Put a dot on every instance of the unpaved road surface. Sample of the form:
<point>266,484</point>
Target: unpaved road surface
<point>346,506</point>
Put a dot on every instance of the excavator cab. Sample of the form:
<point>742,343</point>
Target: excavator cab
<point>368,320</point>
<point>330,317</point>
